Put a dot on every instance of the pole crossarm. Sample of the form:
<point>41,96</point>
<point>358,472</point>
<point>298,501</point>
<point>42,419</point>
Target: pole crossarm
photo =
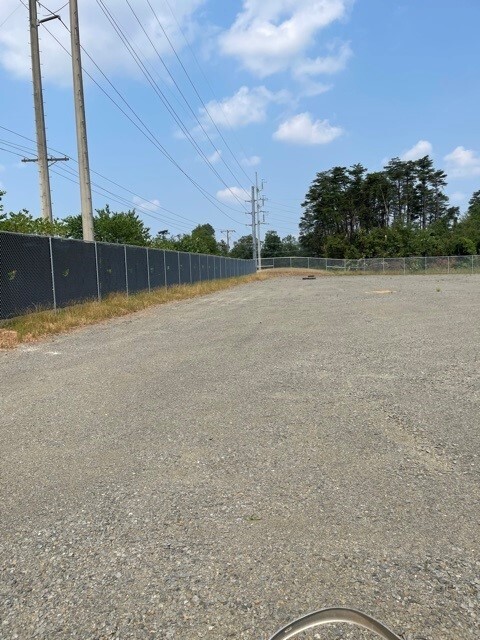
<point>50,160</point>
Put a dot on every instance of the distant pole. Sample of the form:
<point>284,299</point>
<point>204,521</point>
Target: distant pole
<point>44,178</point>
<point>228,232</point>
<point>259,243</point>
<point>254,225</point>
<point>81,125</point>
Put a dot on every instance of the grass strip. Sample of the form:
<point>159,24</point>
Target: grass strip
<point>36,325</point>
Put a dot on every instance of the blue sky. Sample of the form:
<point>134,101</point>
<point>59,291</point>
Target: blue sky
<point>293,87</point>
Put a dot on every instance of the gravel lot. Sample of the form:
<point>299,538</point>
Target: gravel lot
<point>217,467</point>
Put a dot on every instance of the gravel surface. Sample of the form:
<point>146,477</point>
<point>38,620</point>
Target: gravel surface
<point>218,467</point>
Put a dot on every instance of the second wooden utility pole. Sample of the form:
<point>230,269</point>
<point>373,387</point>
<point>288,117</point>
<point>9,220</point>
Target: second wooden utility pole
<point>83,164</point>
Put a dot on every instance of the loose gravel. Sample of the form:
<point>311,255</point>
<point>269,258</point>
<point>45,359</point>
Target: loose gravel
<point>218,467</point>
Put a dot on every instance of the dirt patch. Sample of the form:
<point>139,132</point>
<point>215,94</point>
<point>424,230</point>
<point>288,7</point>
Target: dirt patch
<point>8,339</point>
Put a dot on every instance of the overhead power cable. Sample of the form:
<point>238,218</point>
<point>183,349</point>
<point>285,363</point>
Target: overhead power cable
<point>158,91</point>
<point>62,170</point>
<point>15,153</point>
<point>11,14</point>
<point>106,193</point>
<point>177,215</point>
<point>198,96</point>
<point>145,131</point>
<point>249,178</point>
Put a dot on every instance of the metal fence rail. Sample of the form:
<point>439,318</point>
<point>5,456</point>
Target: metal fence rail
<point>403,266</point>
<point>46,272</point>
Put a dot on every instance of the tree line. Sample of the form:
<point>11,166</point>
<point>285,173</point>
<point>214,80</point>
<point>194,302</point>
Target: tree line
<point>126,227</point>
<point>348,212</point>
<point>399,211</point>
<point>123,227</point>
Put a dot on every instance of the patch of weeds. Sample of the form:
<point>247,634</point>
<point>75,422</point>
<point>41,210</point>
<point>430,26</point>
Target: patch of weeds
<point>252,518</point>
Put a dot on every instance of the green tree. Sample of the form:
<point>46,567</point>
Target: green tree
<point>123,227</point>
<point>24,222</point>
<point>272,245</point>
<point>242,248</point>
<point>203,237</point>
<point>290,246</point>
<point>398,211</point>
<point>469,227</point>
<point>222,248</point>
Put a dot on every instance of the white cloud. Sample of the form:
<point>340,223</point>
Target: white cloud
<point>310,89</point>
<point>228,195</point>
<point>325,65</point>
<point>215,157</point>
<point>273,35</point>
<point>98,37</point>
<point>301,129</point>
<point>253,161</point>
<point>462,163</point>
<point>420,150</point>
<point>245,107</point>
<point>148,205</point>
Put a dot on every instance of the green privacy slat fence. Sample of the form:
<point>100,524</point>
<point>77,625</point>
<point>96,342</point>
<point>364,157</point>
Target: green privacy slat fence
<point>45,272</point>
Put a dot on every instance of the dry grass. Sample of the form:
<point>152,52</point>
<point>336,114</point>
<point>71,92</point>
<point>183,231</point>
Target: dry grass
<point>40,324</point>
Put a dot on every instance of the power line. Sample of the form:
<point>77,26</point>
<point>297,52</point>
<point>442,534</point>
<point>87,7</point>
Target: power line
<point>118,198</point>
<point>73,177</point>
<point>285,206</point>
<point>131,50</point>
<point>146,131</point>
<point>20,155</point>
<point>11,14</point>
<point>29,151</point>
<point>198,96</point>
<point>249,178</point>
<point>214,146</point>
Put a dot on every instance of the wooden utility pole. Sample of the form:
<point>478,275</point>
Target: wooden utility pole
<point>81,125</point>
<point>42,156</point>
<point>228,232</point>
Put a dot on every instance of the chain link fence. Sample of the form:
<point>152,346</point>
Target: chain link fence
<point>392,266</point>
<point>41,272</point>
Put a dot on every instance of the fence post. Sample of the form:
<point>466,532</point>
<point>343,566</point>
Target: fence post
<point>404,266</point>
<point>190,266</point>
<point>178,261</point>
<point>53,275</point>
<point>126,267</point>
<point>448,264</point>
<point>99,295</point>
<point>165,268</point>
<point>425,264</point>
<point>148,271</point>
<point>383,265</point>
<point>472,264</point>
<point>308,263</point>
